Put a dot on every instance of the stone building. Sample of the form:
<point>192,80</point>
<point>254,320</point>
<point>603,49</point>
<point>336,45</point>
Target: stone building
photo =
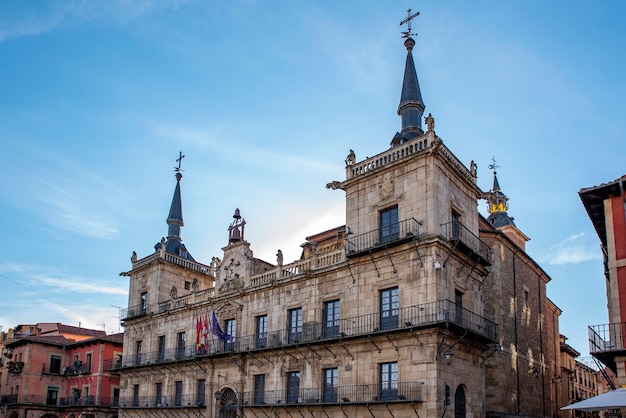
<point>417,306</point>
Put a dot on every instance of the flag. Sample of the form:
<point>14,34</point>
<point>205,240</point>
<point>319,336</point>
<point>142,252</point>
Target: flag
<point>205,331</point>
<point>198,332</point>
<point>217,330</point>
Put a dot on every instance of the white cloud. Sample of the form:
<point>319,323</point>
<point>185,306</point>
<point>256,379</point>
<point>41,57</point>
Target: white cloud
<point>27,21</point>
<point>78,285</point>
<point>574,249</point>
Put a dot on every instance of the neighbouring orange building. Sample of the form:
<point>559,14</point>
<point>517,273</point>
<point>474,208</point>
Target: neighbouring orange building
<point>61,371</point>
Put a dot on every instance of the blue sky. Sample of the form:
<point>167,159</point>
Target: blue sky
<point>265,99</point>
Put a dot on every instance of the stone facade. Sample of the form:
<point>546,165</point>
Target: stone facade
<point>418,306</point>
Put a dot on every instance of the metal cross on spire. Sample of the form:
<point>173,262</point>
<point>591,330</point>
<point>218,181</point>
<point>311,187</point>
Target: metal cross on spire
<point>493,166</point>
<point>407,21</point>
<point>179,160</point>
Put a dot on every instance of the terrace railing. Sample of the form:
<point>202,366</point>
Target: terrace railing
<point>60,402</point>
<point>164,401</point>
<point>390,235</point>
<point>464,238</point>
<point>370,393</point>
<point>416,316</point>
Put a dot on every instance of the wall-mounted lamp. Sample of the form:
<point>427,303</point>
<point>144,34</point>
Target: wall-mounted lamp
<point>448,355</point>
<point>218,393</point>
<point>437,265</point>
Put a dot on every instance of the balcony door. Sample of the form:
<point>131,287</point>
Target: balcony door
<point>389,308</point>
<point>388,381</point>
<point>331,319</point>
<point>389,225</point>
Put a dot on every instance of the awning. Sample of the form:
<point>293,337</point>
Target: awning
<point>614,399</point>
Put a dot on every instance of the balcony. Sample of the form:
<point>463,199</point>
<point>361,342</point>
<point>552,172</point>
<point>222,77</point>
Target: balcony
<point>112,365</point>
<point>15,367</point>
<point>165,401</point>
<point>607,342</point>
<point>134,312</point>
<point>433,314</point>
<point>392,235</point>
<point>467,242</point>
<point>60,402</point>
<point>89,400</point>
<point>352,394</point>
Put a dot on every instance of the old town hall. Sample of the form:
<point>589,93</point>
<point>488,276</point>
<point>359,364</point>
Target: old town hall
<point>417,306</point>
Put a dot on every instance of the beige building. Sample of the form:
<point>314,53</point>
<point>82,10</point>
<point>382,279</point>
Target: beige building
<point>417,306</point>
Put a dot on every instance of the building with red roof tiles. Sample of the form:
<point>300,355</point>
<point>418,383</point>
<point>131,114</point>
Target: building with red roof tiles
<point>60,375</point>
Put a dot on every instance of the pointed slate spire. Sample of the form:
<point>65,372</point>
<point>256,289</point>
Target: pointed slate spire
<point>411,107</point>
<point>496,185</point>
<point>174,242</point>
<point>497,202</point>
<point>175,218</point>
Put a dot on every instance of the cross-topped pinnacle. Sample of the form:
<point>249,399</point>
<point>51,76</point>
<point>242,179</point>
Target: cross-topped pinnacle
<point>493,166</point>
<point>407,21</point>
<point>179,160</point>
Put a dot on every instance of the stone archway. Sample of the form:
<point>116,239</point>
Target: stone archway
<point>228,404</point>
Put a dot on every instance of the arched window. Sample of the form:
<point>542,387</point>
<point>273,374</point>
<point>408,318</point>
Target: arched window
<point>228,404</point>
<point>459,402</point>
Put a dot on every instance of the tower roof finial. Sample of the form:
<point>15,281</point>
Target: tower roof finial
<point>407,21</point>
<point>493,166</point>
<point>174,243</point>
<point>411,107</point>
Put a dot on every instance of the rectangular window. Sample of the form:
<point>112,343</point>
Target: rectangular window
<point>331,379</point>
<point>52,395</point>
<point>87,398</point>
<point>116,397</point>
<point>261,331</point>
<point>230,328</point>
<point>178,393</point>
<point>180,345</point>
<point>143,306</point>
<point>388,381</point>
<point>161,348</point>
<point>458,307</point>
<point>87,365</point>
<point>293,387</point>
<point>331,319</point>
<point>138,345</point>
<point>158,394</point>
<point>455,225</point>
<point>259,389</point>
<point>135,395</point>
<point>295,326</point>
<point>389,226</point>
<point>75,399</point>
<point>201,392</point>
<point>187,285</point>
<point>55,364</point>
<point>389,307</point>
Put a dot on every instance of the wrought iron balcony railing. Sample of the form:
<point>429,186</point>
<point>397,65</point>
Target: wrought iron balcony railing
<point>164,401</point>
<point>112,365</point>
<point>466,240</point>
<point>60,402</point>
<point>416,316</point>
<point>371,393</point>
<point>390,235</point>
<point>73,370</point>
<point>134,311</point>
<point>606,337</point>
